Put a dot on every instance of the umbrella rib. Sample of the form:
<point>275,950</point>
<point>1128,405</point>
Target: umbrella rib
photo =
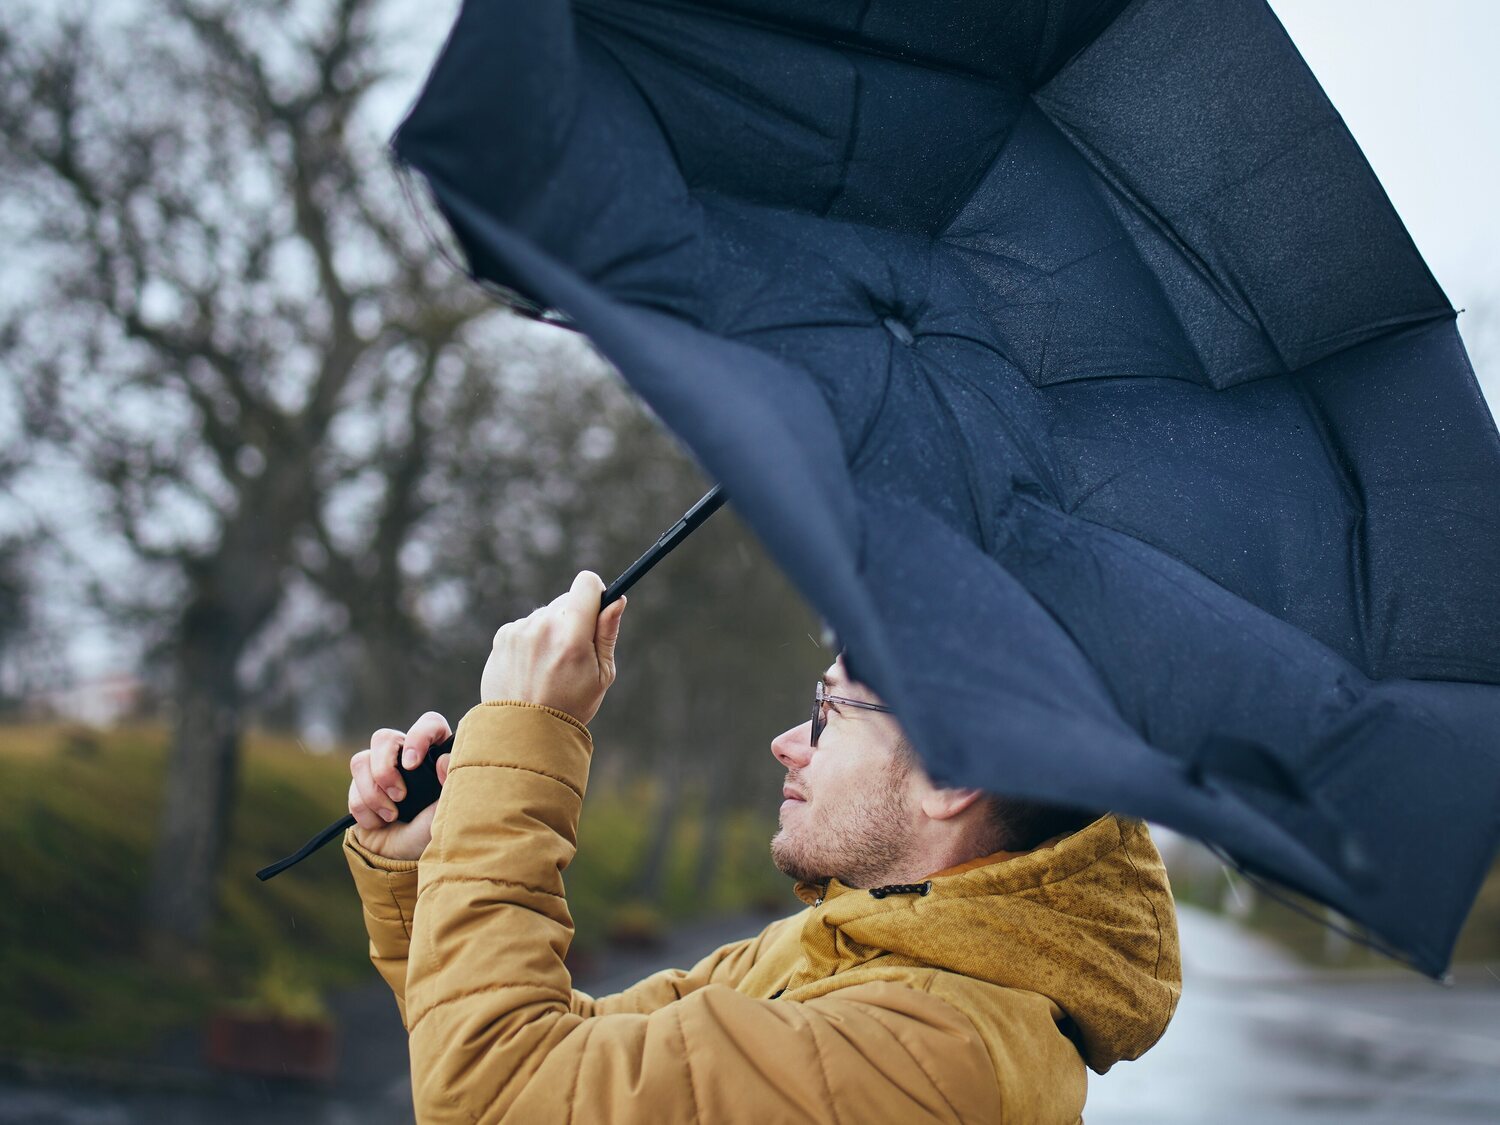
<point>878,413</point>
<point>966,451</point>
<point>844,42</point>
<point>846,158</point>
<point>1353,490</point>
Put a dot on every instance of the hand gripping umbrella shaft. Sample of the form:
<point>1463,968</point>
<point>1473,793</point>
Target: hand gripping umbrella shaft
<point>421,780</point>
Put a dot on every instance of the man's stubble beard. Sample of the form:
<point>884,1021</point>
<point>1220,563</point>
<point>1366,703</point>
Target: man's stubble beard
<point>858,847</point>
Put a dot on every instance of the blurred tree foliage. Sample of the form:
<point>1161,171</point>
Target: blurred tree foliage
<point>337,465</point>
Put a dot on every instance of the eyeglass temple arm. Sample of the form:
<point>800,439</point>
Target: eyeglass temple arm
<point>858,703</point>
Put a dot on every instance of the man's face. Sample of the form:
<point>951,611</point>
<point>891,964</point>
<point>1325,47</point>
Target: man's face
<point>851,806</point>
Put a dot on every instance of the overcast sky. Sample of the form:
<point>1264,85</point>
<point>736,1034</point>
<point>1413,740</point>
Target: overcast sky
<point>1418,86</point>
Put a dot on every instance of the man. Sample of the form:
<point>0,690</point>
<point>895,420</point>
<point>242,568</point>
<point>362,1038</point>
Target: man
<point>931,977</point>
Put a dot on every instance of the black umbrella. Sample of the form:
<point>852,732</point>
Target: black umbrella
<point>1071,360</point>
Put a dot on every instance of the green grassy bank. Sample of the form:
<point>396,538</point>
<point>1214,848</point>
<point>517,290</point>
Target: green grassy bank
<point>77,840</point>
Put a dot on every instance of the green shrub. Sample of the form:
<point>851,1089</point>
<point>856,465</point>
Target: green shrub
<point>78,838</point>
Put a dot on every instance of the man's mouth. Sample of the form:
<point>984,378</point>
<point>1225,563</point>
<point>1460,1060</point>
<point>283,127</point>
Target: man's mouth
<point>792,797</point>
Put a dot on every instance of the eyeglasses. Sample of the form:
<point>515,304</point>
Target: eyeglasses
<point>822,699</point>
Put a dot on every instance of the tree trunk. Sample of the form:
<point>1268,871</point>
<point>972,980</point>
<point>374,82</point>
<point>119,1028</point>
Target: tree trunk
<point>674,717</point>
<point>384,680</point>
<point>651,879</point>
<point>395,680</point>
<point>199,788</point>
<point>711,840</point>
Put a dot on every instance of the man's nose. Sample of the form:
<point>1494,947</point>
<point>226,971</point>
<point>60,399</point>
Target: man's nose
<point>792,747</point>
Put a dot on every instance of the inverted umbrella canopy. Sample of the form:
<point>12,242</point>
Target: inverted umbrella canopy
<point>1072,362</point>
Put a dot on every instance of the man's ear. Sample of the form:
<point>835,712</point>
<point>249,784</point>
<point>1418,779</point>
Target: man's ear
<point>944,804</point>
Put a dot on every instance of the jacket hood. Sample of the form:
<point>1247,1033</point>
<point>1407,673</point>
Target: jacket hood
<point>1087,921</point>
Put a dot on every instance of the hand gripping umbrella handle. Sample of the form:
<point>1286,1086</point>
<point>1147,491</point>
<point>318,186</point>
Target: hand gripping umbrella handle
<point>421,780</point>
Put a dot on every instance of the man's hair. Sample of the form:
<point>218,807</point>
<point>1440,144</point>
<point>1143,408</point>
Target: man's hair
<point>1016,824</point>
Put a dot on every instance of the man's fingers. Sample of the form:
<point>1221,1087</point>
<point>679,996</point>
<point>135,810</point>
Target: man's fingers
<point>575,614</point>
<point>385,747</point>
<point>361,813</point>
<point>371,795</point>
<point>385,738</point>
<point>588,587</point>
<point>442,768</point>
<point>426,732</point>
<point>607,632</point>
<point>583,599</point>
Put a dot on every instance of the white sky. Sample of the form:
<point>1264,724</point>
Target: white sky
<point>1419,88</point>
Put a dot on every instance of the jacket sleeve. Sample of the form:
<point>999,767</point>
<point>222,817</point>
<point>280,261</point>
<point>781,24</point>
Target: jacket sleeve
<point>726,965</point>
<point>388,897</point>
<point>493,1031</point>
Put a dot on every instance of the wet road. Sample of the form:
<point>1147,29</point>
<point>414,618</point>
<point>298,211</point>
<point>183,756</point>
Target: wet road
<point>1255,1040</point>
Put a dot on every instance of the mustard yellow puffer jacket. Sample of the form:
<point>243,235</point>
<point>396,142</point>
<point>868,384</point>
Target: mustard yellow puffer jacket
<point>980,1001</point>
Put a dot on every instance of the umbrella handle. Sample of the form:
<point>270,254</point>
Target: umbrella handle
<point>422,789</point>
<point>421,780</point>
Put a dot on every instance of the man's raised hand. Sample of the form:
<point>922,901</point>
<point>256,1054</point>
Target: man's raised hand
<point>377,786</point>
<point>562,656</point>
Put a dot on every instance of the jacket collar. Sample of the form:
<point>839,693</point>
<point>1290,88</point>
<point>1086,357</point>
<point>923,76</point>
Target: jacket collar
<point>1086,920</point>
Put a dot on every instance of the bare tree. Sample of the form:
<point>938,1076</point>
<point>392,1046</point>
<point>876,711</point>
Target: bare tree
<point>231,326</point>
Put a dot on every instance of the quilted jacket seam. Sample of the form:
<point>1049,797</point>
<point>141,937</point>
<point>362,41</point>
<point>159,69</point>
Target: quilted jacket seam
<point>493,879</point>
<point>563,781</point>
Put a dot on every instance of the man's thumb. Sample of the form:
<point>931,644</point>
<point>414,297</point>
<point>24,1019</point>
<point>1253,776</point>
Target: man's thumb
<point>608,631</point>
